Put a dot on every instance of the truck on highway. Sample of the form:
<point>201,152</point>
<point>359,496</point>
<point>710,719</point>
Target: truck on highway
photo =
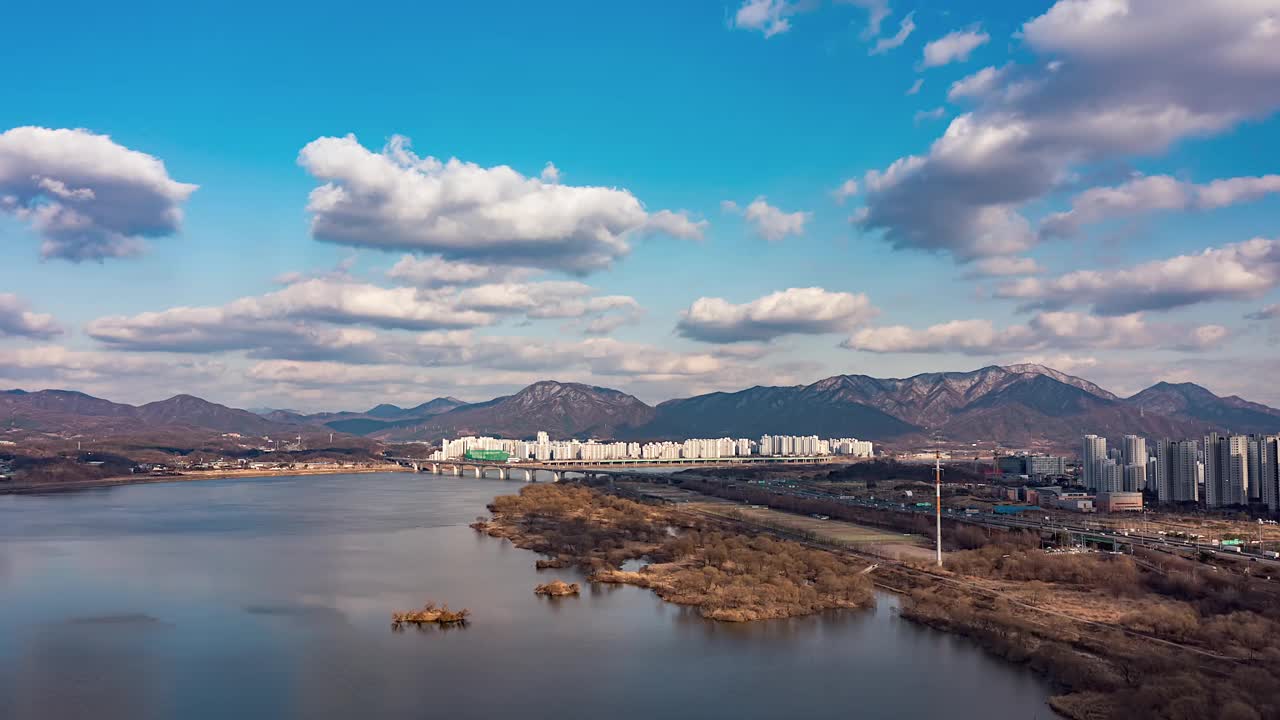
<point>1271,554</point>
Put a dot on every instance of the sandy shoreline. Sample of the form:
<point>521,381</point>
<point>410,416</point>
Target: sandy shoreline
<point>28,488</point>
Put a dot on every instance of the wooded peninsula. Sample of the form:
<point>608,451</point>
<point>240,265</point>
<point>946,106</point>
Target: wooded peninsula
<point>1147,635</point>
<point>726,575</point>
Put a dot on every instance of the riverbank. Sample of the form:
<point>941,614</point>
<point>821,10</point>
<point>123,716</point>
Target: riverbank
<point>140,479</point>
<point>726,575</point>
<point>1150,636</point>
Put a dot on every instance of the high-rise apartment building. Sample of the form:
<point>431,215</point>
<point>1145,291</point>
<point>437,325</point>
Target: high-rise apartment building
<point>1110,476</point>
<point>1093,454</point>
<point>1134,457</point>
<point>1267,479</point>
<point>1135,477</point>
<point>1226,470</point>
<point>1134,450</point>
<point>1176,476</point>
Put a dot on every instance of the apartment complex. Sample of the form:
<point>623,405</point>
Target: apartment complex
<point>545,449</point>
<point>1220,470</point>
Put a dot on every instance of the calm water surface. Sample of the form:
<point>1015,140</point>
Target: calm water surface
<point>271,598</point>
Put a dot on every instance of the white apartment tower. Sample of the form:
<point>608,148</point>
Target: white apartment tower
<point>1134,456</point>
<point>1226,470</point>
<point>1095,451</point>
<point>1134,450</point>
<point>1177,471</point>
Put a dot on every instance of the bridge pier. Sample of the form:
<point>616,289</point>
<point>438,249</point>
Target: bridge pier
<point>457,471</point>
<point>435,468</point>
<point>557,476</point>
<point>502,473</point>
<point>416,467</point>
<point>528,476</point>
<point>479,471</point>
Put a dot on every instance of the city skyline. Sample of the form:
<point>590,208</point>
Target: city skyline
<point>1217,471</point>
<point>692,198</point>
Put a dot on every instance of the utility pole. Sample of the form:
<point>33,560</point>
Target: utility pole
<point>937,501</point>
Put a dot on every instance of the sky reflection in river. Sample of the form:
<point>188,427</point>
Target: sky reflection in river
<point>272,598</point>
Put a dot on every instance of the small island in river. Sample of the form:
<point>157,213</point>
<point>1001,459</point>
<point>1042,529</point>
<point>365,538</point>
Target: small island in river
<point>430,615</point>
<point>557,588</point>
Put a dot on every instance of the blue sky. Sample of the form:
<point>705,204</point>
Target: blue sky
<point>768,104</point>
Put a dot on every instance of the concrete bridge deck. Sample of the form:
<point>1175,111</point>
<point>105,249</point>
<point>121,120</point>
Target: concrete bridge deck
<point>587,468</point>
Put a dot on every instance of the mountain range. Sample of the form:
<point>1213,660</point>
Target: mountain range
<point>379,417</point>
<point>1015,405</point>
<point>71,412</point>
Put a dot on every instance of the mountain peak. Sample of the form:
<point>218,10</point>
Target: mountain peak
<point>1030,368</point>
<point>1189,400</point>
<point>547,388</point>
<point>1181,387</point>
<point>1185,390</point>
<point>1072,380</point>
<point>385,410</point>
<point>188,399</point>
<point>563,409</point>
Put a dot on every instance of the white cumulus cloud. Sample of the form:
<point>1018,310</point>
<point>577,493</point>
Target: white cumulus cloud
<point>953,47</point>
<point>1239,271</point>
<point>322,317</point>
<point>88,197</point>
<point>794,311</point>
<point>394,199</point>
<point>847,189</point>
<point>978,85</point>
<point>1045,331</point>
<point>1111,79</point>
<point>1153,193</point>
<point>770,222</point>
<point>676,224</point>
<point>17,320</point>
<point>434,271</point>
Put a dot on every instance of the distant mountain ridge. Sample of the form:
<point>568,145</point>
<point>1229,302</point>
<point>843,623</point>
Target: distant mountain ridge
<point>380,417</point>
<point>1192,401</point>
<point>800,410</point>
<point>1021,405</point>
<point>563,409</point>
<point>70,411</point>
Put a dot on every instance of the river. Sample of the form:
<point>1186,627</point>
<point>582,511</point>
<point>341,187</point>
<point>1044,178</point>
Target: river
<point>271,598</point>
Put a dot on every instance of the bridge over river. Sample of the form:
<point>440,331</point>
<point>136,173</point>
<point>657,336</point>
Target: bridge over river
<point>588,468</point>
